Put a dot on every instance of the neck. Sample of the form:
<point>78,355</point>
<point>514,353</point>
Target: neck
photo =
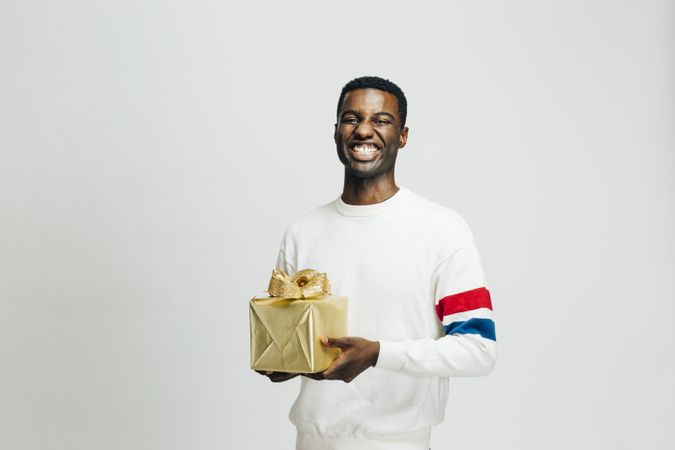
<point>368,191</point>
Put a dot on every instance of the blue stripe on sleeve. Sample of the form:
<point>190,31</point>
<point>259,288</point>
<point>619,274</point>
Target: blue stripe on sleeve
<point>484,327</point>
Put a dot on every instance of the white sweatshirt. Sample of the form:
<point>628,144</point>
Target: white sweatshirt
<point>414,281</point>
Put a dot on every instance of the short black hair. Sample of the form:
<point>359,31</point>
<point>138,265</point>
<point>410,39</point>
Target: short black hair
<point>377,83</point>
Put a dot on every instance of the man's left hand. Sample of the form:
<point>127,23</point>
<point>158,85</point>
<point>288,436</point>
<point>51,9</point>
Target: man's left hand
<point>357,355</point>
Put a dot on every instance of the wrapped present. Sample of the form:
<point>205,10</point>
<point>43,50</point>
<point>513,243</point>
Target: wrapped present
<point>286,325</point>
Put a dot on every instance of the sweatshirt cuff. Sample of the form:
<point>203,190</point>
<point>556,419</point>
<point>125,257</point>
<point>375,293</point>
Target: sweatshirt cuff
<point>392,355</point>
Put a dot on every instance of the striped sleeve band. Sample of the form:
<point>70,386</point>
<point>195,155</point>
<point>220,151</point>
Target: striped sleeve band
<point>468,312</point>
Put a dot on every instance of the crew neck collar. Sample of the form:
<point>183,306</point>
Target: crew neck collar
<point>371,210</point>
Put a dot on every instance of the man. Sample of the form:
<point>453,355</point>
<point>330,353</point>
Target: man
<point>419,311</point>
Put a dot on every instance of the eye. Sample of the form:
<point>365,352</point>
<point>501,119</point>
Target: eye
<point>381,122</point>
<point>350,120</point>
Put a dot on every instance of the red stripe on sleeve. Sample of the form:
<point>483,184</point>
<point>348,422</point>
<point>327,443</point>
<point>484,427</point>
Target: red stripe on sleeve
<point>464,301</point>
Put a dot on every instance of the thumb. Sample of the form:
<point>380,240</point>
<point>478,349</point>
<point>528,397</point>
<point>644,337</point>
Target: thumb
<point>340,343</point>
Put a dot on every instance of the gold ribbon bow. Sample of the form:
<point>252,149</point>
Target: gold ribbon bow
<point>306,283</point>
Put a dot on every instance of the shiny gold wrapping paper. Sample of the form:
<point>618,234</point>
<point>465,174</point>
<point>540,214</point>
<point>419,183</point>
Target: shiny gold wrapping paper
<point>285,332</point>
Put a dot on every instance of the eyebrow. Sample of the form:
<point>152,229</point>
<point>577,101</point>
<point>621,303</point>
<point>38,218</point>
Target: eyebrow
<point>380,113</point>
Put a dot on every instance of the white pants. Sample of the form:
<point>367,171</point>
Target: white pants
<point>416,440</point>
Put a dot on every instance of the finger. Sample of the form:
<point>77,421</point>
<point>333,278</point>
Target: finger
<point>271,373</point>
<point>334,370</point>
<point>314,376</point>
<point>340,343</point>
<point>277,377</point>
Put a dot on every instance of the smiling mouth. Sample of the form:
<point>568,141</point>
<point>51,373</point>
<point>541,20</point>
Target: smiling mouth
<point>364,151</point>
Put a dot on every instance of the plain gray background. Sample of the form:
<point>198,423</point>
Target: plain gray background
<point>153,153</point>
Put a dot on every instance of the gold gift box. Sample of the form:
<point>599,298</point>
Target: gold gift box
<point>286,331</point>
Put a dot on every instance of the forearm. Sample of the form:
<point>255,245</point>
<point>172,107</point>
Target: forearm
<point>461,355</point>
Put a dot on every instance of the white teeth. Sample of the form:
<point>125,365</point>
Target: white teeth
<point>365,148</point>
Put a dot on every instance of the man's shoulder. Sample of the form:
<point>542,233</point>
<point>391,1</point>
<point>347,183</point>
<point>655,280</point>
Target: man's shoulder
<point>436,225</point>
<point>435,214</point>
<point>316,216</point>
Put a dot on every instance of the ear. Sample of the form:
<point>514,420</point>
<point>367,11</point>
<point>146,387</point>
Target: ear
<point>335,134</point>
<point>403,137</point>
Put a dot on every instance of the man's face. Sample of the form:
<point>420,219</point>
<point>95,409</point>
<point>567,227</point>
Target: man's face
<point>368,133</point>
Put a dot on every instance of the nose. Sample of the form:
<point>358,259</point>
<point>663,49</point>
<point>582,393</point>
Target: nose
<point>364,130</point>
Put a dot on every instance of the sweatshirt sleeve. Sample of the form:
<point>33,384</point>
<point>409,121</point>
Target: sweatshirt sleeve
<point>464,308</point>
<point>285,253</point>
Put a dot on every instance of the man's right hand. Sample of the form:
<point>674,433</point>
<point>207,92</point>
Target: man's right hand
<point>277,377</point>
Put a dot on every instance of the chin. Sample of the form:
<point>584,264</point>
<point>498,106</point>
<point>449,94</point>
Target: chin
<point>363,173</point>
